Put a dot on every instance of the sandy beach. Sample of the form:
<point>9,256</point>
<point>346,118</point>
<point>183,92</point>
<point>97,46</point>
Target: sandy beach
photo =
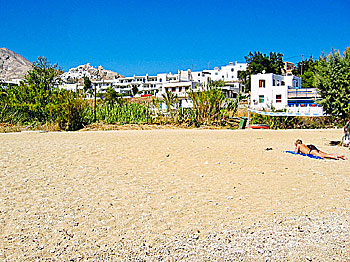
<point>169,195</point>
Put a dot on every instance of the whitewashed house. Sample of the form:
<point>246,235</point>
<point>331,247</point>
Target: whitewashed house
<point>178,84</point>
<point>13,82</point>
<point>228,74</point>
<point>199,80</point>
<point>277,92</point>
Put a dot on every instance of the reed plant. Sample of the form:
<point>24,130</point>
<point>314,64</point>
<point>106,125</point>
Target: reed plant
<point>125,113</point>
<point>211,107</point>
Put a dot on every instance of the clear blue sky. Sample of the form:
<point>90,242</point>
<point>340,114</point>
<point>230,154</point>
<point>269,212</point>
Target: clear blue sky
<point>138,37</point>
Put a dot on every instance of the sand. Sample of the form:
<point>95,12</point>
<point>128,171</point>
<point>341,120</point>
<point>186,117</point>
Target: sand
<point>194,195</point>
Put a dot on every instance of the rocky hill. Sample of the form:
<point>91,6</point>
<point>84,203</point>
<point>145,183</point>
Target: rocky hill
<point>77,74</point>
<point>12,65</point>
<point>15,66</point>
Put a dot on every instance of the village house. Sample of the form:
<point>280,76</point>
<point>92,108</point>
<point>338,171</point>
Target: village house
<point>282,92</point>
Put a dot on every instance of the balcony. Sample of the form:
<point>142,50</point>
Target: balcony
<point>305,93</point>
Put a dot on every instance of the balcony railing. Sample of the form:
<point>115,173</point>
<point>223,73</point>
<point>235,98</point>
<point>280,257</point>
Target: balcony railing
<point>302,93</point>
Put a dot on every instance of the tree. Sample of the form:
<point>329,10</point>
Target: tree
<point>333,83</point>
<point>87,84</point>
<point>218,83</point>
<point>37,100</point>
<point>43,75</point>
<point>259,63</point>
<point>2,92</point>
<point>307,71</point>
<point>244,77</point>
<point>170,100</point>
<point>113,97</point>
<point>134,90</point>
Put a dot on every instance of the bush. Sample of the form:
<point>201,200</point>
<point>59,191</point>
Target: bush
<point>27,105</point>
<point>69,110</point>
<point>292,122</point>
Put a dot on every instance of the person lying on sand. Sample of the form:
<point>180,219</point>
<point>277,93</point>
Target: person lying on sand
<point>313,150</point>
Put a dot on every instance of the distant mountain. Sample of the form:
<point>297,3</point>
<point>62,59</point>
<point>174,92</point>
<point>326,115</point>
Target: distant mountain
<point>12,65</point>
<point>77,74</point>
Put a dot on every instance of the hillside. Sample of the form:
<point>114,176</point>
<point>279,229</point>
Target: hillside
<point>12,65</point>
<point>77,74</point>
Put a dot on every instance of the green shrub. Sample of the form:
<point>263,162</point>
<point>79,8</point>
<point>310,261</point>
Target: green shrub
<point>26,105</point>
<point>123,113</point>
<point>292,122</point>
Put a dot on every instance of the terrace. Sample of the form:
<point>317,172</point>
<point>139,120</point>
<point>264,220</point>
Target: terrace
<point>302,93</point>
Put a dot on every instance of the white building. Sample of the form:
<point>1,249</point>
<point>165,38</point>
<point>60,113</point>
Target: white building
<point>271,91</point>
<point>179,83</point>
<point>199,80</point>
<point>226,73</point>
<point>13,82</point>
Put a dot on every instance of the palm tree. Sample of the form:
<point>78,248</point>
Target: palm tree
<point>170,100</point>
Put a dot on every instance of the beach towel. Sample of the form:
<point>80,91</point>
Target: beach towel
<point>308,155</point>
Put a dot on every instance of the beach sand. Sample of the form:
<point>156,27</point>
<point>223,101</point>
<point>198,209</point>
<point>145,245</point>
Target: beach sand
<point>191,195</point>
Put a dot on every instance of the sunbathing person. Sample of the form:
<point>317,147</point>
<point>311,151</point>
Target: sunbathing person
<point>313,150</point>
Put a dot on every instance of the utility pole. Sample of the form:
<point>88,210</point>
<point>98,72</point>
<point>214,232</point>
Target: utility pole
<point>95,103</point>
<point>302,63</point>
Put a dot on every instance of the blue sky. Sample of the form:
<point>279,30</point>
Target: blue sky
<point>138,37</point>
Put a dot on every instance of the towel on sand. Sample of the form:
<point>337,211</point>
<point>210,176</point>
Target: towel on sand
<point>309,155</point>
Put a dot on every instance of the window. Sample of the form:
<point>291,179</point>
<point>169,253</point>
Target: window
<point>261,99</point>
<point>295,83</point>
<point>274,82</point>
<point>232,70</point>
<point>278,98</point>
<point>261,83</point>
<point>199,74</point>
<point>283,83</point>
<point>160,80</point>
<point>174,89</point>
<point>216,73</point>
<point>180,89</point>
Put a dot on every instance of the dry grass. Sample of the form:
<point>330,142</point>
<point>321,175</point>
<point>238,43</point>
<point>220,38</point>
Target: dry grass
<point>242,112</point>
<point>109,127</point>
<point>10,128</point>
